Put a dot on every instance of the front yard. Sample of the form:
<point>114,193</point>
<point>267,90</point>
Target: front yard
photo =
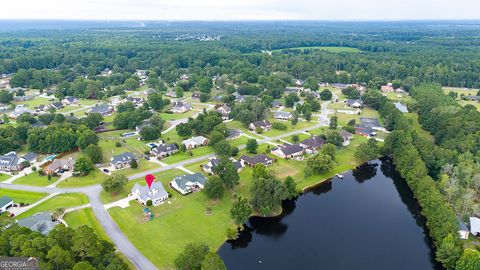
<point>66,200</point>
<point>21,196</point>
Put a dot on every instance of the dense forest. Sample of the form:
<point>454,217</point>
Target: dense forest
<point>408,52</point>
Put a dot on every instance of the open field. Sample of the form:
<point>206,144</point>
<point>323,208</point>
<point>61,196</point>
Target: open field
<point>66,200</point>
<point>94,177</point>
<point>197,152</point>
<point>85,217</point>
<point>322,48</point>
<point>21,196</point>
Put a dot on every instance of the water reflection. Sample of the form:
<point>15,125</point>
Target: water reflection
<point>376,225</point>
<point>365,172</point>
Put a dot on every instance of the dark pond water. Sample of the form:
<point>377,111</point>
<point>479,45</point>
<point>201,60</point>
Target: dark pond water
<point>368,220</point>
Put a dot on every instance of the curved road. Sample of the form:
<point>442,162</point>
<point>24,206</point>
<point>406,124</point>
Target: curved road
<point>111,228</point>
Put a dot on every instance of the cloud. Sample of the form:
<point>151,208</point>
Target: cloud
<point>241,9</point>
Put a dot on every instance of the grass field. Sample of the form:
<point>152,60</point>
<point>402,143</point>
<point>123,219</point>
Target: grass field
<point>85,217</point>
<point>175,225</point>
<point>300,125</point>
<point>197,152</point>
<point>176,116</point>
<point>34,179</point>
<point>322,48</point>
<point>66,200</point>
<point>413,119</point>
<point>21,196</point>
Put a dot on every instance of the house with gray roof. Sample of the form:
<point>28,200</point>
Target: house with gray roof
<point>181,107</point>
<point>285,116</point>
<point>10,162</point>
<point>164,150</point>
<point>69,100</point>
<point>354,103</point>
<point>225,111</point>
<point>213,162</point>
<point>41,222</point>
<point>346,136</point>
<point>103,109</point>
<point>123,160</point>
<point>287,151</point>
<point>156,193</point>
<point>19,110</point>
<point>313,143</point>
<point>263,124</point>
<point>30,157</point>
<point>188,183</point>
<point>233,134</point>
<point>195,142</point>
<point>5,203</point>
<point>56,105</point>
<point>254,160</point>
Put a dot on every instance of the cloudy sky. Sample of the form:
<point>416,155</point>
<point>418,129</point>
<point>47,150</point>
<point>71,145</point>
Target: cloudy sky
<point>240,9</point>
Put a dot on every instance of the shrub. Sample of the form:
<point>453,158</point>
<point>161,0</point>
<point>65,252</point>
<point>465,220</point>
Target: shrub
<point>279,126</point>
<point>149,203</point>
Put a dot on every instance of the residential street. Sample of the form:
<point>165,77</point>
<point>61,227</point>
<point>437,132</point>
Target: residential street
<point>111,229</point>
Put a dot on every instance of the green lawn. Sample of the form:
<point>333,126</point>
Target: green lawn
<point>176,116</point>
<point>300,125</point>
<point>66,200</point>
<point>301,137</point>
<point>239,141</point>
<point>94,177</point>
<point>4,177</point>
<point>35,102</point>
<point>173,226</point>
<point>35,179</point>
<point>165,177</point>
<point>197,152</point>
<point>322,48</point>
<point>85,217</point>
<point>196,167</point>
<point>21,196</point>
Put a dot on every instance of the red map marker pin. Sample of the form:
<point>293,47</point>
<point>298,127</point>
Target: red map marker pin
<point>149,179</point>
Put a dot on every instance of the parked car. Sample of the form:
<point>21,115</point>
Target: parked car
<point>106,171</point>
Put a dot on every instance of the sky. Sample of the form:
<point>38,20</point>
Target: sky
<point>240,9</point>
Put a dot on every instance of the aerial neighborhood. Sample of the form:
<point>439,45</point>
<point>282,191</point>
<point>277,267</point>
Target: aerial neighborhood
<point>151,141</point>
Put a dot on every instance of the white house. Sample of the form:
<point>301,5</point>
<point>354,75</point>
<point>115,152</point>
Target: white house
<point>195,142</point>
<point>156,193</point>
<point>5,203</point>
<point>188,183</point>
<point>287,151</point>
<point>285,116</point>
<point>263,124</point>
<point>123,160</point>
<point>224,110</point>
<point>181,107</point>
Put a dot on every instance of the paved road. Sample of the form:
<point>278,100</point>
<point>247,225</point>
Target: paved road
<point>112,230</point>
<point>116,235</point>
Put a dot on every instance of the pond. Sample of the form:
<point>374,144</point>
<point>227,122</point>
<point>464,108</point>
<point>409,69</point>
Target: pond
<point>368,220</point>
